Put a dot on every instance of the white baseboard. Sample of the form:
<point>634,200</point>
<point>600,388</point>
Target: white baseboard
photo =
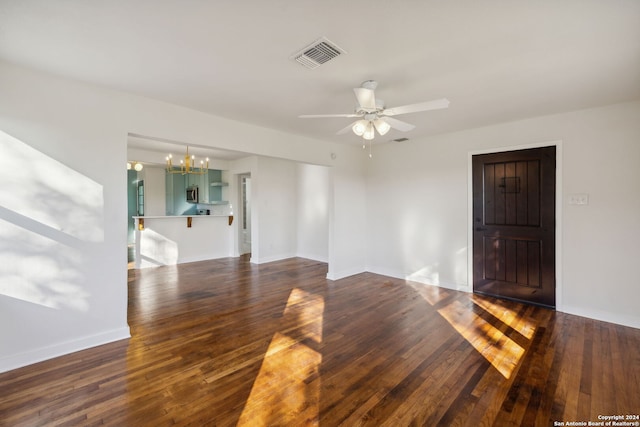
<point>150,264</point>
<point>604,316</point>
<point>424,279</point>
<point>337,275</point>
<point>271,258</point>
<point>49,352</point>
<point>313,257</point>
<point>209,257</point>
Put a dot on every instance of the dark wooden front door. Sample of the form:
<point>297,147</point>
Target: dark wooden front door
<point>514,225</point>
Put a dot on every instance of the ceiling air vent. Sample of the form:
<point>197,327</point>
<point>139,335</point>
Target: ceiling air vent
<point>317,53</point>
<point>400,139</point>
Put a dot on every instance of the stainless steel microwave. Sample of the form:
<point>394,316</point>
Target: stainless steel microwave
<point>192,194</point>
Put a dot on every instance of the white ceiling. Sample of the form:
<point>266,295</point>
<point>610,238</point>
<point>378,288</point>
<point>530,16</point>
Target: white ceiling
<point>495,61</point>
<point>159,148</point>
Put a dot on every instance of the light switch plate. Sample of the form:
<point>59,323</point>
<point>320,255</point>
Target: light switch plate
<point>579,199</point>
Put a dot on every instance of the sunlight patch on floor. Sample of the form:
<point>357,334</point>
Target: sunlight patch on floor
<point>307,310</point>
<point>431,294</point>
<point>508,316</point>
<point>499,350</point>
<point>287,388</point>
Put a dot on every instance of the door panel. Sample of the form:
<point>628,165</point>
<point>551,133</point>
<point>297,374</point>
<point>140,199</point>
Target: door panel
<point>514,225</point>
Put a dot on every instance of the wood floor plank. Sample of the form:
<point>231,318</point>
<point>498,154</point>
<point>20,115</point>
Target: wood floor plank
<point>227,342</point>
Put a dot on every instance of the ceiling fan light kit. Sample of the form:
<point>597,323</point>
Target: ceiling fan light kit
<point>369,133</point>
<point>359,127</point>
<point>382,126</point>
<point>374,116</point>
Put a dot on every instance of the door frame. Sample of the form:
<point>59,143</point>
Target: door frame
<point>558,213</point>
<point>240,214</point>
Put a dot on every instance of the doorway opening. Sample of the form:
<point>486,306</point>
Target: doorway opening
<point>135,207</point>
<point>244,229</point>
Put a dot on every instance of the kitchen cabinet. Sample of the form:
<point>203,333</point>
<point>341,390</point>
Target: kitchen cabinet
<point>201,182</point>
<point>215,187</point>
<point>210,188</point>
<point>176,196</point>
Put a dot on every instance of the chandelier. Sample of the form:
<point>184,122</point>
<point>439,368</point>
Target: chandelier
<point>187,165</point>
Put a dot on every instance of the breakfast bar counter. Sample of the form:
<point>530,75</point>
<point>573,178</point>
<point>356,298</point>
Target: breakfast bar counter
<point>168,240</point>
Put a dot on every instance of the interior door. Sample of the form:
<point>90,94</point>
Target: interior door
<point>514,225</point>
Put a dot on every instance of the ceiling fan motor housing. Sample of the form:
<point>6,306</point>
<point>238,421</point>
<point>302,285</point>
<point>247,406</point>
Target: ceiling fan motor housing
<point>369,84</point>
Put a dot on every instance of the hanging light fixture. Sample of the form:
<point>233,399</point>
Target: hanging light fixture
<point>359,127</point>
<point>135,166</point>
<point>365,127</point>
<point>369,133</point>
<point>381,126</point>
<point>187,165</point>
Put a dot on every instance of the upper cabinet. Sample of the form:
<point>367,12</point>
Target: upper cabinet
<point>215,187</point>
<point>210,191</point>
<point>176,195</point>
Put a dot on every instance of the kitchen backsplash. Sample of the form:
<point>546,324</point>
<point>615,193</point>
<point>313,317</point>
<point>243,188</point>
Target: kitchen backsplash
<point>217,209</point>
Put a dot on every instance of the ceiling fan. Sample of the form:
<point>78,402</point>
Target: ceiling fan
<point>373,114</point>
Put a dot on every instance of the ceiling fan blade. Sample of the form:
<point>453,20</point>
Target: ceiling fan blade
<point>346,129</point>
<point>414,108</point>
<point>366,98</point>
<point>398,124</point>
<point>316,116</point>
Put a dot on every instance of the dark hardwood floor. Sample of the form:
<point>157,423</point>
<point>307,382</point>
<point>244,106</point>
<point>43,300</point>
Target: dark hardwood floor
<point>224,343</point>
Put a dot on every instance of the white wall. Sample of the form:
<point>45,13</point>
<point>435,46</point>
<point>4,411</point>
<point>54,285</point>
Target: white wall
<point>417,204</point>
<point>313,212</point>
<point>273,205</point>
<point>347,215</point>
<point>417,194</point>
<point>69,291</point>
<point>290,204</point>
<point>154,190</point>
<point>62,262</point>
